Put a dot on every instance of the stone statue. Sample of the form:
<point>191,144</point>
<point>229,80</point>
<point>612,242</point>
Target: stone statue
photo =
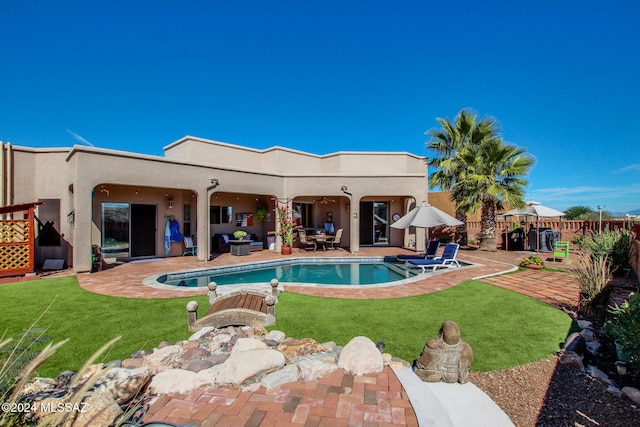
<point>445,358</point>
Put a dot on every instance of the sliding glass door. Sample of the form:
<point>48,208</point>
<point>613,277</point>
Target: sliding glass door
<point>115,230</point>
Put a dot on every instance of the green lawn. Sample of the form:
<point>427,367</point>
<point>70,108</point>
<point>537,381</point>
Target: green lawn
<point>504,328</point>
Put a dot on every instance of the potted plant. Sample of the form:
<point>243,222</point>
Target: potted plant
<point>261,214</point>
<point>534,262</point>
<point>287,231</point>
<point>240,235</point>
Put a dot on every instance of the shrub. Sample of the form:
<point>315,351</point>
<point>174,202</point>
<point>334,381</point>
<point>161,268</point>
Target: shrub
<point>624,328</point>
<point>532,260</point>
<point>594,274</point>
<point>615,245</point>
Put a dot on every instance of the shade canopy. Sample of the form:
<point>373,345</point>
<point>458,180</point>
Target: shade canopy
<point>535,209</point>
<point>425,216</point>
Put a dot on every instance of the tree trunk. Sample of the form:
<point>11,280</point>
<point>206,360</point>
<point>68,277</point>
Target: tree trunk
<point>488,226</point>
<point>461,230</point>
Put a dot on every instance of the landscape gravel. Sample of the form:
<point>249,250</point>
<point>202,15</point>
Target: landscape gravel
<point>547,393</point>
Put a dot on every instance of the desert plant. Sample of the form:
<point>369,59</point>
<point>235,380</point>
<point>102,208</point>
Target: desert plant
<point>593,274</point>
<point>616,245</point>
<point>624,328</point>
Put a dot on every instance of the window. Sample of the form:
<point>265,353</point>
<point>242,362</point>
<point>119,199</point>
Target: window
<point>303,213</point>
<point>220,214</point>
<point>187,220</point>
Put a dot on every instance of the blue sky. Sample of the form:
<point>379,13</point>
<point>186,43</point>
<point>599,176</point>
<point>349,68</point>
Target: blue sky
<point>562,78</point>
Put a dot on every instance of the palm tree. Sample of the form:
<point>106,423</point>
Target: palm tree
<point>449,142</point>
<point>492,177</point>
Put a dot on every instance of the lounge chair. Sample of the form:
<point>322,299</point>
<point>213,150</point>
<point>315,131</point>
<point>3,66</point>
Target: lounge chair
<point>447,259</point>
<point>307,244</point>
<point>432,249</point>
<point>335,240</point>
<point>190,248</point>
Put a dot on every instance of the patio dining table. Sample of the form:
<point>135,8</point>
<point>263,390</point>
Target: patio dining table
<point>320,239</point>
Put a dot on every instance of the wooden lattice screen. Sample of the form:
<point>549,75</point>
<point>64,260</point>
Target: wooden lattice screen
<point>17,238</point>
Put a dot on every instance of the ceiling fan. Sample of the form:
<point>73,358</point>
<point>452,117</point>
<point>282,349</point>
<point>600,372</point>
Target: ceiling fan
<point>325,201</point>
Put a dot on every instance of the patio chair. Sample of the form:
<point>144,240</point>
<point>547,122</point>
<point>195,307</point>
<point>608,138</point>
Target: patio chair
<point>430,253</point>
<point>190,248</point>
<point>335,240</point>
<point>308,245</point>
<point>447,259</point>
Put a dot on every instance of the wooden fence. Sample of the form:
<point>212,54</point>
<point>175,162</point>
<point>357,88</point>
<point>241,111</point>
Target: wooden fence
<point>17,240</point>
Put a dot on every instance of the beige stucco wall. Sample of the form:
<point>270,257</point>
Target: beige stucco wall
<point>185,175</point>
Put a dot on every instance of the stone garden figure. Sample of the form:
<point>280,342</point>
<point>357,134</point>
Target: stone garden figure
<point>445,358</point>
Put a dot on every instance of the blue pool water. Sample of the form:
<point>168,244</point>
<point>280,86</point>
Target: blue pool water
<point>319,273</point>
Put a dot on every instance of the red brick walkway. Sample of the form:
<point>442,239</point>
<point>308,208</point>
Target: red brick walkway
<point>554,288</point>
<point>337,399</point>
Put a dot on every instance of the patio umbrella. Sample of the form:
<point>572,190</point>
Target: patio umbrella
<point>425,216</point>
<point>537,210</point>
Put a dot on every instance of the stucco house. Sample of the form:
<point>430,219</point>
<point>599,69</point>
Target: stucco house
<point>121,200</point>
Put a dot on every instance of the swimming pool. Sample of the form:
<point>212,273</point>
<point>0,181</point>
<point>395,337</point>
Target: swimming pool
<point>309,271</point>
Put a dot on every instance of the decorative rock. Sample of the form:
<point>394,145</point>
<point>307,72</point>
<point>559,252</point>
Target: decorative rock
<point>584,324</point>
<point>100,410</point>
<point>201,333</point>
<point>360,356</point>
<point>614,390</point>
<point>572,359</point>
<point>258,330</point>
<point>276,336</point>
<point>597,373</point>
<point>632,393</point>
<point>445,358</point>
<point>140,353</point>
<point>329,346</point>
<point>246,344</point>
<point>288,374</point>
<point>64,379</point>
<point>575,342</point>
<point>133,362</point>
<point>294,348</point>
<point>190,345</point>
<point>195,353</point>
<point>593,346</point>
<point>588,334</point>
<point>160,359</point>
<point>38,385</point>
<point>123,384</point>
<point>209,375</point>
<point>312,369</point>
<point>164,344</point>
<point>386,358</point>
<point>217,359</point>
<point>251,388</point>
<point>244,365</point>
<point>174,381</point>
<point>198,365</point>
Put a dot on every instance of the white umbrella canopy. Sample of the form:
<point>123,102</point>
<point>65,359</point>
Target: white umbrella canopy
<point>534,209</point>
<point>425,216</point>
